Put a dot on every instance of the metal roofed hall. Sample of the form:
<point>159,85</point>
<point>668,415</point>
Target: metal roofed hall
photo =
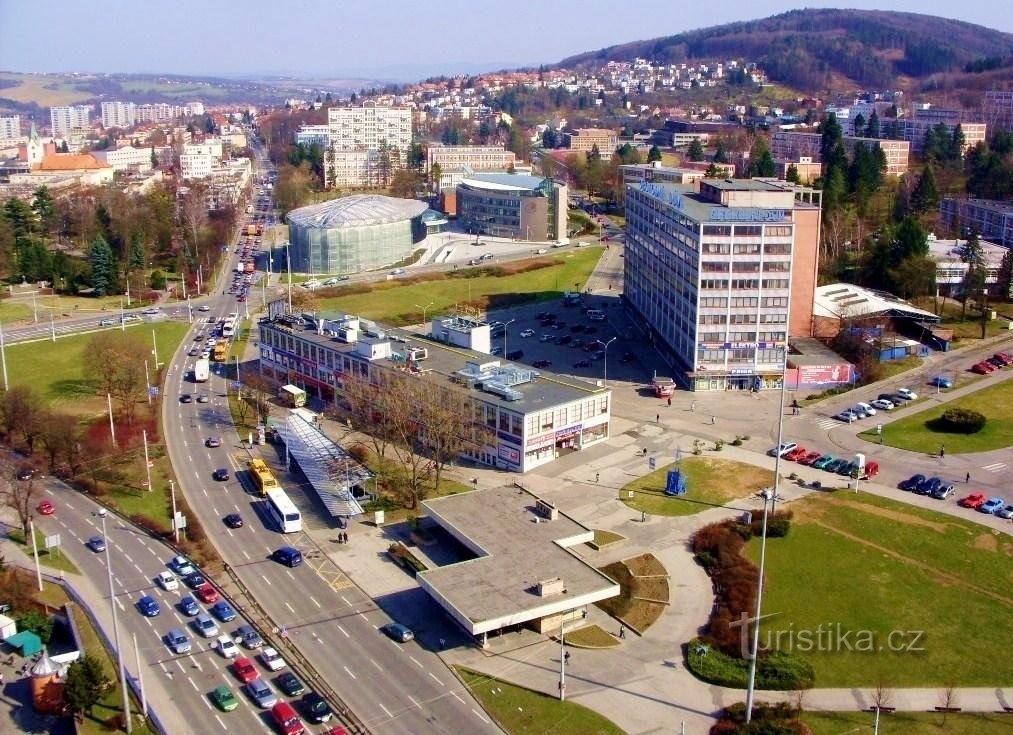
<point>355,211</point>
<point>524,571</point>
<point>845,300</point>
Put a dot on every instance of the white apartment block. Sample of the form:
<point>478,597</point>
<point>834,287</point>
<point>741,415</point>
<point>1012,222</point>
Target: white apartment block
<point>309,135</point>
<point>118,114</point>
<point>124,159</point>
<point>159,112</point>
<point>210,147</point>
<point>475,157</point>
<point>365,128</point>
<point>71,117</point>
<point>10,127</point>
<point>195,165</point>
<point>193,108</point>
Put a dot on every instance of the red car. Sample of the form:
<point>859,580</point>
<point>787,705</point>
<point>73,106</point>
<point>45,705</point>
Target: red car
<point>796,454</point>
<point>244,670</point>
<point>810,458</point>
<point>980,368</point>
<point>45,508</point>
<point>207,594</point>
<point>974,500</point>
<point>1004,358</point>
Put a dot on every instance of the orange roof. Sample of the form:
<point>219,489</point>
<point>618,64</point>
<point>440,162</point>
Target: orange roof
<point>70,162</point>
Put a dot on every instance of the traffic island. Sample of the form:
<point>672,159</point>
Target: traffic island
<point>643,592</point>
<point>591,636</point>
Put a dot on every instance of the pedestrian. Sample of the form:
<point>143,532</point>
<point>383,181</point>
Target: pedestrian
<point>669,400</point>
<point>692,407</point>
<point>566,657</point>
<point>942,451</point>
<point>657,418</point>
<point>597,476</point>
<point>968,478</point>
<point>622,631</point>
<point>645,451</point>
<point>443,643</point>
<point>712,421</point>
<point>344,536</point>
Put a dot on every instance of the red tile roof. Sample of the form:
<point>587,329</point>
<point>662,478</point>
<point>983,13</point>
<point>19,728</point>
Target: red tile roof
<point>70,162</point>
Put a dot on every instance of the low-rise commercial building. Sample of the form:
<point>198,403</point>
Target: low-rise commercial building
<point>130,158</point>
<point>991,219</point>
<point>586,139</point>
<point>513,205</point>
<point>951,269</point>
<point>476,157</point>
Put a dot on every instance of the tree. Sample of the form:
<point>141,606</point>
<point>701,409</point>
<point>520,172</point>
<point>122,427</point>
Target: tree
<point>791,174</point>
<point>831,135</point>
<point>405,184</point>
<point>761,162</point>
<point>44,208</point>
<point>695,150</point>
<point>103,267</point>
<point>85,685</point>
<point>137,257</point>
<point>193,216</point>
<point>872,129</point>
<point>550,138</point>
<point>915,276</point>
<point>384,163</point>
<point>713,172</point>
<point>1004,278</point>
<point>448,426</point>
<point>925,195</point>
<point>20,496</point>
<point>37,622</point>
<point>118,360</point>
<point>654,154</point>
<point>720,154</point>
<point>859,124</point>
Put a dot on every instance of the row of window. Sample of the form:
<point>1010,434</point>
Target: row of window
<point>746,248</point>
<point>741,337</point>
<point>743,283</point>
<point>745,266</point>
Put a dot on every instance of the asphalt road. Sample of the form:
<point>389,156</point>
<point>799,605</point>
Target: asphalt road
<point>391,687</point>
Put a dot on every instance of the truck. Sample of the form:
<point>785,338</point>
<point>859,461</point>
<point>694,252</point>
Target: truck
<point>202,370</point>
<point>663,387</point>
<point>251,230</point>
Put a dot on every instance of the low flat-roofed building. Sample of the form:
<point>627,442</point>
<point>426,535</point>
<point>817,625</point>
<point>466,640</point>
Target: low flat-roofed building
<point>992,219</point>
<point>951,269</point>
<point>839,306</point>
<point>586,139</point>
<point>655,172</point>
<point>524,573</point>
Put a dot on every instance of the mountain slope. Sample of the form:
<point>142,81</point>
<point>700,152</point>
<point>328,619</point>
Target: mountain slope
<point>807,48</point>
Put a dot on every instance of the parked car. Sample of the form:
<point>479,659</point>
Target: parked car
<point>848,469</point>
<point>871,470</point>
<point>992,506</point>
<point>148,606</point>
<point>883,404</point>
<point>847,416</point>
<point>944,491</point>
<point>823,461</point>
<point>528,333</point>
<point>929,486</point>
<point>397,632</point>
<point>865,409</point>
<point>227,647</point>
<point>810,458</point>
<point>782,449</point>
<point>995,362</point>
<point>1006,512</point>
<point>1004,357</point>
<point>941,381</point>
<point>177,641</point>
<point>541,363</point>
<point>167,581</point>
<point>835,465</point>
<point>244,670</point>
<point>796,454</point>
<point>907,394</point>
<point>223,698</point>
<point>973,501</point>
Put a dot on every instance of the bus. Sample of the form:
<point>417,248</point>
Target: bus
<point>283,511</point>
<point>263,478</point>
<point>222,350</point>
<point>228,329</point>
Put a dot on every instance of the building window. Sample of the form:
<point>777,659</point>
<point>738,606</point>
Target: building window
<point>778,231</point>
<point>718,230</point>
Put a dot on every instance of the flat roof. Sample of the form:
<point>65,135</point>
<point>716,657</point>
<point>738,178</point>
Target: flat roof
<point>843,300</point>
<point>686,199</point>
<point>810,351</point>
<point>517,549</point>
<point>504,182</point>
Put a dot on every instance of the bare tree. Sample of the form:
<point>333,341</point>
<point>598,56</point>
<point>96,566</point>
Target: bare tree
<point>19,495</point>
<point>193,216</point>
<point>366,404</point>
<point>449,425</point>
<point>118,360</point>
<point>948,698</point>
<point>19,414</point>
<point>406,397</point>
<point>259,393</point>
<point>60,438</point>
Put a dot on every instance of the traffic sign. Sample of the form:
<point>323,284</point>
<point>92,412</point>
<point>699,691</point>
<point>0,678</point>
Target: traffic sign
<point>652,463</point>
<point>52,541</point>
<point>236,385</point>
<point>153,390</point>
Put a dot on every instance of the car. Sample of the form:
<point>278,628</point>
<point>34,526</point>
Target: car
<point>582,364</point>
<point>207,594</point>
<point>203,398</point>
<point>227,647</point>
<point>233,520</point>
<point>189,606</point>
<point>148,606</point>
<point>289,683</point>
<point>244,670</point>
<point>992,506</point>
<point>286,719</point>
<point>823,461</point>
<point>249,637</point>
<point>528,333</point>
<point>107,322</point>
<point>981,368</point>
<point>848,469</point>
<point>287,555</point>
<point>167,581</point>
<point>151,311</point>
<point>486,256</point>
<point>261,693</point>
<point>177,641</point>
<point>627,358</point>
<point>1006,512</point>
<point>181,565</point>
<point>96,544</point>
<point>316,708</point>
<point>846,416</point>
<point>883,404</point>
<point>930,486</point>
<point>973,501</point>
<point>221,474</point>
<point>541,363</point>
<point>203,307</point>
<point>272,660</point>
<point>1005,358</point>
<point>25,474</point>
<point>223,611</point>
<point>782,449</point>
<point>186,398</point>
<point>941,381</point>
<point>193,352</point>
<point>810,457</point>
<point>515,354</point>
<point>45,508</point>
<point>205,625</point>
<point>545,338</point>
<point>541,251</point>
<point>397,632</point>
<point>995,362</point>
<point>213,441</point>
<point>943,491</point>
<point>223,698</point>
<point>193,579</point>
<point>865,408</point>
<point>836,465</point>
<point>576,343</point>
<point>398,272</point>
<point>912,483</point>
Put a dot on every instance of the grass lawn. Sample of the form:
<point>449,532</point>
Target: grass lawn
<point>605,538</point>
<point>909,723</point>
<point>591,636</point>
<point>896,367</point>
<point>877,567</point>
<point>709,482</point>
<point>917,433</point>
<point>964,328</point>
<point>521,711</point>
<point>394,302</point>
<point>54,560</point>
<point>641,600</point>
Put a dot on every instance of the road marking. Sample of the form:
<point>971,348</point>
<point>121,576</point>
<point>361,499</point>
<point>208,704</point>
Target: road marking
<point>127,557</point>
<point>414,702</point>
<point>345,600</point>
<point>139,570</point>
<point>69,505</point>
<point>389,713</point>
<point>180,665</point>
<point>378,667</point>
<point>196,663</point>
<point>434,677</point>
<point>314,601</point>
<point>290,608</point>
<point>205,492</point>
<point>456,696</point>
<point>349,672</point>
<point>192,684</point>
<point>245,554</point>
<point>480,715</point>
<point>828,424</point>
<point>345,632</point>
<point>416,661</point>
<point>266,580</point>
<point>363,616</point>
<point>162,664</point>
<point>120,605</point>
<point>996,467</point>
<point>218,718</point>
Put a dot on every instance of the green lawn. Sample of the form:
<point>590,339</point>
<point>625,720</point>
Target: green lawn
<point>521,711</point>
<point>874,566</point>
<point>916,433</point>
<point>54,559</point>
<point>394,302</point>
<point>896,367</point>
<point>966,327</point>
<point>909,723</point>
<point>709,482</point>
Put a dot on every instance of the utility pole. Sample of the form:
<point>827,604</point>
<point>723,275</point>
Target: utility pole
<point>175,527</point>
<point>140,680</point>
<point>35,551</point>
<point>147,464</point>
<point>147,381</point>
<point>112,426</point>
<point>52,326</point>
<point>767,495</point>
<point>154,348</point>
<point>3,355</point>
<point>562,663</point>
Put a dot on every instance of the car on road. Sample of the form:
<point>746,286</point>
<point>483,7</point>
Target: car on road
<point>261,693</point>
<point>992,506</point>
<point>167,581</point>
<point>207,594</point>
<point>865,408</point>
<point>397,632</point>
<point>289,683</point>
<point>912,483</point>
<point>244,670</point>
<point>25,474</point>
<point>398,272</point>
<point>223,611</point>
<point>973,501</point>
<point>541,363</point>
<point>287,555</point>
<point>45,508</point>
<point>223,698</point>
<point>272,660</point>
<point>810,457</point>
<point>213,441</point>
<point>96,544</point>
<point>907,394</point>
<point>883,404</point>
<point>249,637</point>
<point>107,322</point>
<point>148,606</point>
<point>193,579</point>
<point>189,606</point>
<point>846,416</point>
<point>221,474</point>
<point>823,461</point>
<point>186,398</point>
<point>528,333</point>
<point>227,647</point>
<point>316,708</point>
<point>203,307</point>
<point>782,449</point>
<point>205,625</point>
<point>193,352</point>
<point>177,641</point>
<point>286,720</point>
<point>941,381</point>
<point>1006,512</point>
<point>203,398</point>
<point>233,520</point>
<point>181,565</point>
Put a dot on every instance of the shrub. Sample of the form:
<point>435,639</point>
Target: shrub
<point>962,421</point>
<point>775,670</point>
<point>705,559</point>
<point>737,441</point>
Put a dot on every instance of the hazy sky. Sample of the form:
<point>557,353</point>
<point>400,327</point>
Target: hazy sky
<point>325,37</point>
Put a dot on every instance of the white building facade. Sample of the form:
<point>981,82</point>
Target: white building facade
<point>68,118</point>
<point>10,127</point>
<point>119,114</point>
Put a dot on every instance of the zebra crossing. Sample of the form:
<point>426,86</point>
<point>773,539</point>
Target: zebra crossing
<point>828,423</point>
<point>994,467</point>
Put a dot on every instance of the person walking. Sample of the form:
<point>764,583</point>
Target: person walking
<point>622,631</point>
<point>657,418</point>
<point>942,451</point>
<point>968,478</point>
<point>712,420</point>
<point>597,476</point>
<point>692,407</point>
<point>670,400</point>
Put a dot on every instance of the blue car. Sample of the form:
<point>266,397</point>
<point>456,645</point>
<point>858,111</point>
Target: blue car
<point>941,382</point>
<point>223,611</point>
<point>913,483</point>
<point>930,486</point>
<point>148,606</point>
<point>189,606</point>
<point>992,506</point>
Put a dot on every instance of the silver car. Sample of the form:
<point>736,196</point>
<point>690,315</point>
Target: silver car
<point>261,693</point>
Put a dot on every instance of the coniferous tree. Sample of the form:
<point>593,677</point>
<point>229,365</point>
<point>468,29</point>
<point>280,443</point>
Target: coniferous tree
<point>925,195</point>
<point>695,150</point>
<point>872,129</point>
<point>103,267</point>
<point>654,154</point>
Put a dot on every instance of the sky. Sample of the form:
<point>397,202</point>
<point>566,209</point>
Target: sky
<point>383,38</point>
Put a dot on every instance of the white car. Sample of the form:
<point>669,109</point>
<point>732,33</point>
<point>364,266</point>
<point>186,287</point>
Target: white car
<point>203,307</point>
<point>541,251</point>
<point>782,449</point>
<point>167,581</point>
<point>883,404</point>
<point>272,660</point>
<point>906,393</point>
<point>151,311</point>
<point>546,338</point>
<point>227,647</point>
<point>866,408</point>
<point>528,333</point>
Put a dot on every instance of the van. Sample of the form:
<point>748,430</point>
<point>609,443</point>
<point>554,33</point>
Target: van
<point>596,315</point>
<point>288,555</point>
<point>871,470</point>
<point>286,719</point>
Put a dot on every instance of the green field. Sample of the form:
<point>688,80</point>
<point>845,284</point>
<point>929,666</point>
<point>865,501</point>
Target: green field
<point>877,567</point>
<point>45,90</point>
<point>709,482</point>
<point>909,723</point>
<point>396,302</point>
<point>916,433</point>
<point>521,711</point>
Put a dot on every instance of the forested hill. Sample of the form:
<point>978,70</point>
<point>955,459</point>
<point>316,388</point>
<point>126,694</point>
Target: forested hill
<point>815,48</point>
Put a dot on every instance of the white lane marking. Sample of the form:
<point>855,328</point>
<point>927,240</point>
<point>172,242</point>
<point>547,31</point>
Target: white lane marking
<point>480,715</point>
<point>363,616</point>
<point>290,608</point>
<point>127,557</point>
<point>434,677</point>
<point>205,492</point>
<point>120,605</point>
<point>416,661</point>
<point>345,632</point>
<point>314,601</point>
<point>214,509</point>
<point>349,672</point>
<point>266,580</point>
<point>69,505</point>
<point>245,554</point>
<point>389,713</point>
<point>162,664</point>
<point>220,721</point>
<point>196,663</point>
<point>180,665</point>
<point>139,570</point>
<point>206,703</point>
<point>345,600</point>
<point>378,667</point>
<point>192,684</point>
<point>414,702</point>
<point>456,696</point>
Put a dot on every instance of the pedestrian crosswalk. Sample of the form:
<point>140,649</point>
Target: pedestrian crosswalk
<point>995,467</point>
<point>828,424</point>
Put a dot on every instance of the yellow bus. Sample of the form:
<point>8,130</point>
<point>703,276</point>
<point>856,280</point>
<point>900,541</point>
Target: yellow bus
<point>221,350</point>
<point>263,478</point>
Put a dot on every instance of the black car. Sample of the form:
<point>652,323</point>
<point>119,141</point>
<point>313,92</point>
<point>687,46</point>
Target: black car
<point>316,708</point>
<point>626,358</point>
<point>195,580</point>
<point>582,364</point>
<point>996,361</point>
<point>515,354</point>
<point>541,363</point>
<point>233,520</point>
<point>25,474</point>
<point>186,398</point>
<point>221,474</point>
<point>913,483</point>
<point>290,684</point>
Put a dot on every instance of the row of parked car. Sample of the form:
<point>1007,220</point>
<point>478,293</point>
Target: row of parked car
<point>940,489</point>
<point>883,402</point>
<point>991,506</point>
<point>839,465</point>
<point>996,362</point>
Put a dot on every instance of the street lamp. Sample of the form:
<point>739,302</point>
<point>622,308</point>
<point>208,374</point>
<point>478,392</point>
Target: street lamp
<point>505,334</point>
<point>605,375</point>
<point>767,495</point>
<point>101,513</point>
<point>424,310</point>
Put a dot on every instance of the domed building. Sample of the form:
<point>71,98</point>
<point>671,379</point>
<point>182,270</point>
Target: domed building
<point>354,233</point>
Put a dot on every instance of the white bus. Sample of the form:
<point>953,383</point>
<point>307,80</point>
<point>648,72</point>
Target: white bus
<point>283,511</point>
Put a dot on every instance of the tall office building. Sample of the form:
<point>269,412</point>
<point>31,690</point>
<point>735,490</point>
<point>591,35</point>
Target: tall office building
<point>10,127</point>
<point>118,114</point>
<point>720,275</point>
<point>71,117</point>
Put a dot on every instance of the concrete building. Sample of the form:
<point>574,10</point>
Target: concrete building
<point>993,220</point>
<point>130,158</point>
<point>366,144</point>
<point>998,110</point>
<point>806,169</point>
<point>513,205</point>
<point>476,157</point>
<point>73,117</point>
<point>533,417</point>
<point>655,173</point>
<point>489,591</point>
<point>10,127</point>
<point>843,305</point>
<point>720,273</point>
<point>791,146</point>
<point>951,269</point>
<point>584,139</point>
<point>119,114</point>
<point>308,135</point>
<point>197,160</point>
<point>913,129</point>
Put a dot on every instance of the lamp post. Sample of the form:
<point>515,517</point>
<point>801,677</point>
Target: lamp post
<point>505,334</point>
<point>767,495</point>
<point>101,513</point>
<point>424,310</point>
<point>605,374</point>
